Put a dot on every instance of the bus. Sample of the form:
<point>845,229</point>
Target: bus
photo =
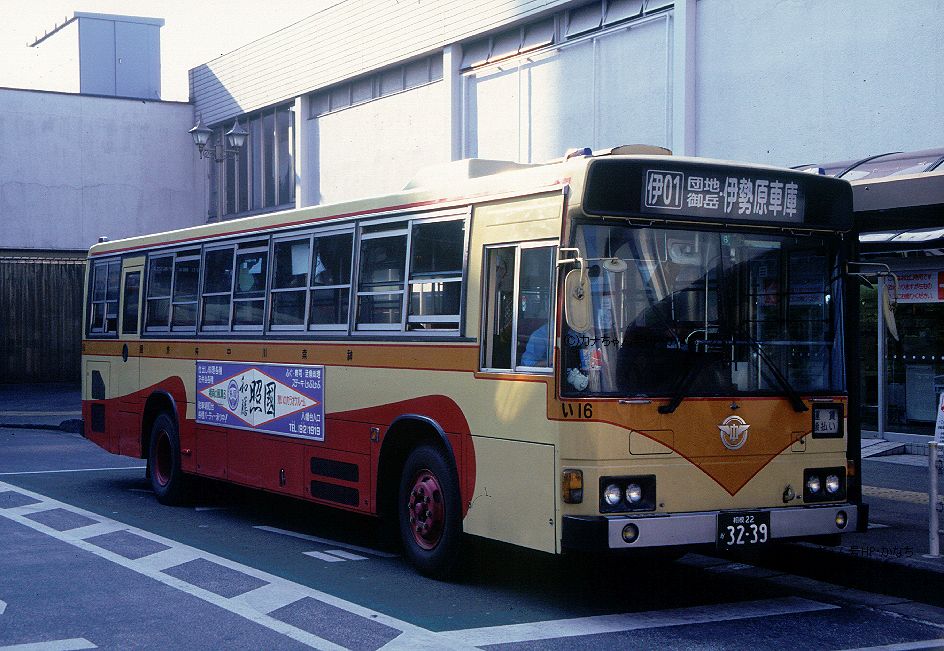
<point>618,350</point>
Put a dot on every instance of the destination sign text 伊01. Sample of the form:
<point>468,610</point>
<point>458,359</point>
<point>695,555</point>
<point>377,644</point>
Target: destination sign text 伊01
<point>721,195</point>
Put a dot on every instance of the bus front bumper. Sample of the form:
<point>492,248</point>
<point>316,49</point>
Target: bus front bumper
<point>700,528</point>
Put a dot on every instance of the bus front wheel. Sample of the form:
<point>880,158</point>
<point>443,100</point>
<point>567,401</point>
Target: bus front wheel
<point>429,512</point>
<point>167,478</point>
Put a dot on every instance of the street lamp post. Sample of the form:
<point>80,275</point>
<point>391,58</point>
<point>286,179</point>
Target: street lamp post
<point>235,138</point>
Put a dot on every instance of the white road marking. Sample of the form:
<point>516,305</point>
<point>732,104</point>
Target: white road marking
<point>328,558</point>
<point>271,597</point>
<point>243,606</point>
<point>3,606</point>
<point>327,541</point>
<point>50,472</point>
<point>168,558</point>
<point>905,646</point>
<point>97,529</point>
<point>876,525</point>
<point>73,644</point>
<point>634,621</point>
<point>345,555</point>
<point>209,508</point>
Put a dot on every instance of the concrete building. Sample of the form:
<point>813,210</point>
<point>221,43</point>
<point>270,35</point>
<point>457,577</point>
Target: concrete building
<point>356,98</point>
<point>111,161</point>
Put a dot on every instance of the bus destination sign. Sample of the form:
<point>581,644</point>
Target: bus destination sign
<point>275,398</point>
<point>702,193</point>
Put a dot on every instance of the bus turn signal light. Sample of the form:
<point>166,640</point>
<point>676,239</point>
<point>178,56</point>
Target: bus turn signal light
<point>572,486</point>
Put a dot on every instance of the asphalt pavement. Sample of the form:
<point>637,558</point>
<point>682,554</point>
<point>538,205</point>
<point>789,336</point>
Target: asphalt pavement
<point>891,557</point>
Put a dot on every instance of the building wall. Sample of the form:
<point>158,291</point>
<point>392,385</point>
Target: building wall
<point>345,40</point>
<point>783,82</point>
<point>582,94</point>
<point>41,319</point>
<point>375,147</point>
<point>800,81</point>
<point>76,167</point>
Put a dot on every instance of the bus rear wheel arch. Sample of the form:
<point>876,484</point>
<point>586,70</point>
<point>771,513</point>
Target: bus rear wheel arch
<point>429,511</point>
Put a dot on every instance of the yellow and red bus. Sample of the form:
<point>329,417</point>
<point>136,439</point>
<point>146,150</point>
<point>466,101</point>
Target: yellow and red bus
<point>622,349</point>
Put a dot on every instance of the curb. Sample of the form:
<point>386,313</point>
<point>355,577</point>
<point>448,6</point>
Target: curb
<point>70,426</point>
<point>910,578</point>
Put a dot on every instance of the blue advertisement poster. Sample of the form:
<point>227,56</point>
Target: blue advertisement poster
<point>275,398</point>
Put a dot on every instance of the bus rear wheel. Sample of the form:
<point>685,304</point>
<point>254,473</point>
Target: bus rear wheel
<point>429,512</point>
<point>167,479</point>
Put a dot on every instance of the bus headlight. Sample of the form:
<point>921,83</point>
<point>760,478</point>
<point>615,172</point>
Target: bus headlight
<point>812,484</point>
<point>832,484</point>
<point>824,484</point>
<point>612,494</point>
<point>630,493</point>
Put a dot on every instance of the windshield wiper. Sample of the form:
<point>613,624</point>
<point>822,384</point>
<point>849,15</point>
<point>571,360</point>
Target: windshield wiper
<point>784,383</point>
<point>683,386</point>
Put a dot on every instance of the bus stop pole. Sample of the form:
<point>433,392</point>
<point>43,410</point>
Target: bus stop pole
<point>881,357</point>
<point>934,549</point>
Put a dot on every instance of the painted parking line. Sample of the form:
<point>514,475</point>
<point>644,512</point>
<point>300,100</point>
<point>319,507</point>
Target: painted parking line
<point>905,646</point>
<point>335,556</point>
<point>328,541</point>
<point>72,644</point>
<point>582,626</point>
<point>280,605</point>
<point>53,472</point>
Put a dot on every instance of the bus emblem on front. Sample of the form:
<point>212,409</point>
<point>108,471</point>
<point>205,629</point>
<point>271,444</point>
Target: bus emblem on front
<point>733,432</point>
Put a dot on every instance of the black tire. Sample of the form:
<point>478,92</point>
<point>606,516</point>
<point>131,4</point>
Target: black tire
<point>167,479</point>
<point>429,512</point>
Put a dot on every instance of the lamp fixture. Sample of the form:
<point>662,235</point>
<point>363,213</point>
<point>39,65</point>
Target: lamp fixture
<point>235,138</point>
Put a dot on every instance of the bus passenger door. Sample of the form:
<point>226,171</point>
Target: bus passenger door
<point>125,372</point>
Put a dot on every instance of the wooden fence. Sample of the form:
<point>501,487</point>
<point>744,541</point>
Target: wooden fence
<point>40,319</point>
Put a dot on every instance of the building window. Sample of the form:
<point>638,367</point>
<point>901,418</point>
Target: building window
<point>370,87</point>
<point>570,24</point>
<point>262,177</point>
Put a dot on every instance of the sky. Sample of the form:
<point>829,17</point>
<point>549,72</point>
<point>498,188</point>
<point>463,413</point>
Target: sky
<point>194,32</point>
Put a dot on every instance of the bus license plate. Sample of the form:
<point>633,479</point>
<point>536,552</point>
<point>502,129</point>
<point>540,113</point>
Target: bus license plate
<point>739,529</point>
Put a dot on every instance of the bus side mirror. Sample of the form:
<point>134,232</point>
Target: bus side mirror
<point>889,300</point>
<point>577,309</point>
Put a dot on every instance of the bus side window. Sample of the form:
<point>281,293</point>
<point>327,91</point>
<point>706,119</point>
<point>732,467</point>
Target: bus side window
<point>518,311</point>
<point>157,306</point>
<point>103,311</point>
<point>129,303</point>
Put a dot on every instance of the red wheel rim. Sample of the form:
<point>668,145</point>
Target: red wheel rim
<point>162,458</point>
<point>425,508</point>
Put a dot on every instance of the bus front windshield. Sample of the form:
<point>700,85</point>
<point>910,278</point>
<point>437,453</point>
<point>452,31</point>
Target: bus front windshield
<point>705,313</point>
